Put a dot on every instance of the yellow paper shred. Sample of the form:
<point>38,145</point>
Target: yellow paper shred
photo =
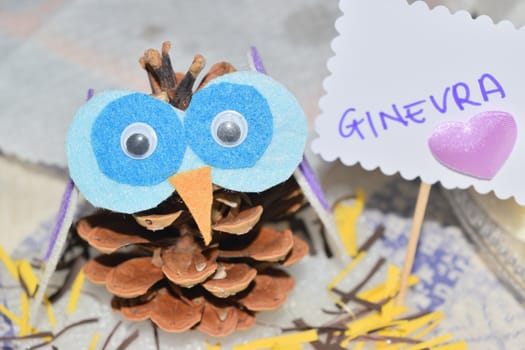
<point>392,281</point>
<point>411,326</point>
<point>341,275</point>
<point>366,325</point>
<point>24,305</point>
<point>282,341</point>
<point>11,316</point>
<point>419,322</point>
<point>288,347</point>
<point>27,275</point>
<point>216,346</point>
<point>359,345</point>
<point>397,346</point>
<point>386,322</point>
<point>75,292</point>
<point>460,345</point>
<point>377,293</point>
<point>345,217</point>
<point>432,342</point>
<point>30,280</point>
<point>391,310</point>
<point>391,288</point>
<point>438,317</point>
<point>360,327</point>
<point>94,341</point>
<point>9,264</point>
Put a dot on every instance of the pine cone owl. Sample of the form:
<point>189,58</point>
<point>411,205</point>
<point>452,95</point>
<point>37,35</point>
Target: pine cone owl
<point>190,183</point>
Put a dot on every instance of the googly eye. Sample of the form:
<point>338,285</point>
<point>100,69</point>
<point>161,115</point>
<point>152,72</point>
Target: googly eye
<point>229,128</point>
<point>138,140</point>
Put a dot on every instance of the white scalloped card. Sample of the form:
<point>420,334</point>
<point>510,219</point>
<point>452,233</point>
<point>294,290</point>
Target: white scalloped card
<point>428,94</point>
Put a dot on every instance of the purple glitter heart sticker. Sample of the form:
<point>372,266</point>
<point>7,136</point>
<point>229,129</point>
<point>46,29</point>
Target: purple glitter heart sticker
<point>478,147</point>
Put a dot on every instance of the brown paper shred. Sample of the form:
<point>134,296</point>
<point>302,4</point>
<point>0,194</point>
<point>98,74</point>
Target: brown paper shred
<point>345,316</point>
<point>334,312</point>
<point>329,343</point>
<point>301,325</point>
<point>75,268</point>
<point>335,334</point>
<point>391,339</point>
<point>416,315</point>
<point>64,330</point>
<point>129,340</point>
<point>326,246</point>
<point>378,234</point>
<point>367,304</point>
<point>351,295</point>
<point>156,335</point>
<point>26,337</point>
<point>378,321</point>
<point>111,334</point>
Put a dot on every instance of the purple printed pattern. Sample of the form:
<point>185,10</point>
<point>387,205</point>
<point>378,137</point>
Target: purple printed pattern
<point>438,267</point>
<point>438,264</point>
<point>454,278</point>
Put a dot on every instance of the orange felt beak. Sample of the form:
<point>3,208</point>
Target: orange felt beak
<point>196,190</point>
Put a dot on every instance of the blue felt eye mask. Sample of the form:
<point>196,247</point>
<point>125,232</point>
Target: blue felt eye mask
<point>239,108</point>
<point>154,122</point>
<point>123,146</point>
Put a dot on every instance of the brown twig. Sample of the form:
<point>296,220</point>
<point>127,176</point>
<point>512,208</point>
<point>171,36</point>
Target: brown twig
<point>70,278</point>
<point>25,337</point>
<point>111,334</point>
<point>130,339</point>
<point>180,97</point>
<point>378,234</point>
<point>156,335</point>
<point>158,66</point>
<point>351,295</point>
<point>64,330</point>
<point>215,71</point>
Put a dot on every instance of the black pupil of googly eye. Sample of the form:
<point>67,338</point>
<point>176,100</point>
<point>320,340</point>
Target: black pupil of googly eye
<point>229,132</point>
<point>137,144</point>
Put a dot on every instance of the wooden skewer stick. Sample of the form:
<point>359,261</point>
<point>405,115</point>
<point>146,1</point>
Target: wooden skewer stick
<point>417,222</point>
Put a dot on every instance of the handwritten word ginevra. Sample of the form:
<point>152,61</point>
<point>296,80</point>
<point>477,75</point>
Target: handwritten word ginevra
<point>459,94</point>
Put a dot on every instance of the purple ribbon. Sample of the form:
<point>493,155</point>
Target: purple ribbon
<point>63,205</point>
<point>304,167</point>
<point>257,62</point>
<point>310,177</point>
<point>60,219</point>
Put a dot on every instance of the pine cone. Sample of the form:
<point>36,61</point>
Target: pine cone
<point>158,267</point>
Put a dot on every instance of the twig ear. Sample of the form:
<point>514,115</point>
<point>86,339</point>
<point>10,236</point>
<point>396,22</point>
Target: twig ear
<point>177,88</point>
